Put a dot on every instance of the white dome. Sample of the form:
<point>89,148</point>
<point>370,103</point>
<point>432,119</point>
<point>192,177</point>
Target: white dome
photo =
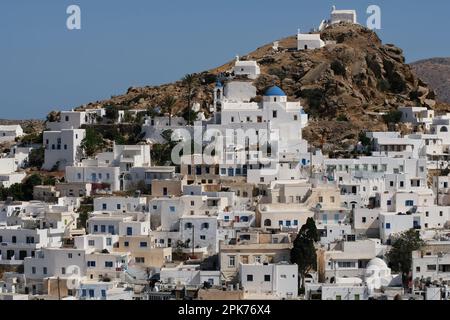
<point>377,262</point>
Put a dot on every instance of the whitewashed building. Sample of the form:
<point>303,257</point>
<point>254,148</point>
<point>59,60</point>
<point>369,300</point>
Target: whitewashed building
<point>10,133</point>
<point>63,148</point>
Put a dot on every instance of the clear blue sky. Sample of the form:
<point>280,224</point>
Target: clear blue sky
<point>123,43</point>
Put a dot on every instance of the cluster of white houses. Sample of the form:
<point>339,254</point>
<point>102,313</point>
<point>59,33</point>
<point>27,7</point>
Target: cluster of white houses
<point>225,228</point>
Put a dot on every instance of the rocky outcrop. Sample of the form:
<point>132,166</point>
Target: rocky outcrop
<point>435,72</point>
<point>345,86</point>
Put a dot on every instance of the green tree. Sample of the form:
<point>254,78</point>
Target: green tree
<point>36,157</point>
<point>393,117</point>
<point>92,143</point>
<point>161,153</point>
<point>189,82</point>
<point>22,191</point>
<point>112,113</point>
<point>168,105</point>
<point>400,255</point>
<point>32,138</point>
<point>29,184</point>
<point>303,252</point>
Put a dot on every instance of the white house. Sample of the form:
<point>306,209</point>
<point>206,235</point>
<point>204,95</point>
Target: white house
<point>307,41</point>
<point>203,229</point>
<point>122,204</point>
<point>432,262</point>
<point>417,116</point>
<point>275,280</point>
<point>62,148</point>
<point>338,16</point>
<point>10,133</point>
<point>17,243</point>
<point>247,68</point>
<point>100,177</point>
<point>392,224</point>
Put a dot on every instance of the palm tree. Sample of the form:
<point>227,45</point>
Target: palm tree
<point>189,81</point>
<point>168,104</point>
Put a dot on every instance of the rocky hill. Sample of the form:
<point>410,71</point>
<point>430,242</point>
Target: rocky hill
<point>436,72</point>
<point>345,87</point>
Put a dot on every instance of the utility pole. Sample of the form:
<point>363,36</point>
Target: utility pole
<point>437,187</point>
<point>193,241</point>
<point>59,290</point>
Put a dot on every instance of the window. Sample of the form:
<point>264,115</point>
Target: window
<point>108,264</point>
<point>14,239</point>
<point>357,297</point>
<point>364,220</point>
<point>91,243</point>
<point>409,203</point>
<point>402,184</point>
<point>205,225</point>
<point>388,226</point>
<point>320,199</point>
<point>126,244</point>
<point>70,255</point>
<point>431,267</point>
<point>108,241</point>
<point>129,231</point>
<point>143,244</point>
<point>391,183</point>
<point>172,209</point>
<point>91,264</point>
<point>249,278</point>
<point>103,293</point>
<point>202,237</point>
<point>103,228</point>
<point>417,269</point>
<point>63,270</point>
<point>338,297</point>
<point>95,229</point>
<point>427,214</point>
<point>295,222</point>
<point>346,264</point>
<point>389,202</point>
<point>44,270</point>
<point>140,260</point>
<point>232,261</point>
<point>274,114</point>
<point>267,277</point>
<point>33,270</point>
<point>441,213</point>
